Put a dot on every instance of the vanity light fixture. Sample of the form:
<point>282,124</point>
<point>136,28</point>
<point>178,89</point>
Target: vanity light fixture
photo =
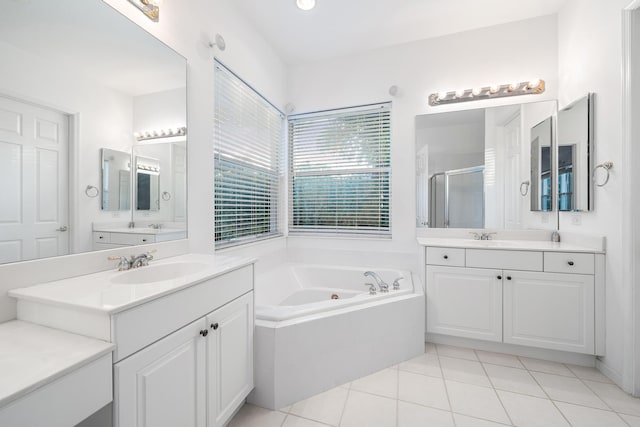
<point>532,87</point>
<point>160,133</point>
<point>151,8</point>
<point>306,4</point>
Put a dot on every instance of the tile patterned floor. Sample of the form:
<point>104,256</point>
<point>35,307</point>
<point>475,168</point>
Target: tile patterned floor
<point>458,387</point>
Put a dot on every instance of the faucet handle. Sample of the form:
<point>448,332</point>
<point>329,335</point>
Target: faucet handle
<point>489,234</point>
<point>476,236</point>
<point>123,264</point>
<point>396,283</point>
<point>372,288</point>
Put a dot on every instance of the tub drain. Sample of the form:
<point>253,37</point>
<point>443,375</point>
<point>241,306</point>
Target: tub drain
<point>335,296</point>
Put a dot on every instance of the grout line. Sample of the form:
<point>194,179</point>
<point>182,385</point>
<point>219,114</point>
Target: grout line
<point>504,408</point>
<point>549,397</point>
<point>398,396</point>
<point>446,389</point>
<point>596,394</point>
<point>284,419</point>
<point>344,406</point>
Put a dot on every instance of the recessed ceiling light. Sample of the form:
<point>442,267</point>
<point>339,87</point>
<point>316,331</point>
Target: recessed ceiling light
<point>306,4</point>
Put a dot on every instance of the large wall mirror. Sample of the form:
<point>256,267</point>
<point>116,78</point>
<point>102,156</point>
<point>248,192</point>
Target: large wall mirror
<point>83,93</point>
<point>474,168</point>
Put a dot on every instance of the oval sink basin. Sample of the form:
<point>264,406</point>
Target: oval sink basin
<point>158,273</point>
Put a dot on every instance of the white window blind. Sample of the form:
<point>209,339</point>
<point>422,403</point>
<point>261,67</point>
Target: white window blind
<point>247,162</point>
<point>340,171</point>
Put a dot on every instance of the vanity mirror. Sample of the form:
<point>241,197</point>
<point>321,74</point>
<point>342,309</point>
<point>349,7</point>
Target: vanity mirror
<point>78,80</point>
<point>575,159</point>
<point>474,168</point>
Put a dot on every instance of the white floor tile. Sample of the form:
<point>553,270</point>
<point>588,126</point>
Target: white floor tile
<point>567,389</point>
<point>325,407</point>
<point>499,359</point>
<point>364,409</point>
<point>424,390</point>
<point>546,366</point>
<point>464,371</point>
<point>581,416</point>
<point>254,416</point>
<point>617,399</point>
<point>513,379</point>
<point>410,415</point>
<point>631,420</point>
<point>476,401</point>
<point>383,383</point>
<point>465,421</point>
<point>293,421</point>
<point>426,364</point>
<point>587,373</point>
<point>529,411</point>
<point>457,352</point>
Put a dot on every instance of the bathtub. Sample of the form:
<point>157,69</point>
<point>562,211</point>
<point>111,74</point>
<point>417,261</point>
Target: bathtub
<point>318,327</point>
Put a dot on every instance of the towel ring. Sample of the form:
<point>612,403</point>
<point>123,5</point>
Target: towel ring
<point>607,167</point>
<point>166,196</point>
<point>525,184</point>
<point>91,191</point>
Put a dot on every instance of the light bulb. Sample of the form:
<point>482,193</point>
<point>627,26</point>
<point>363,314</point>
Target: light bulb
<point>514,86</point>
<point>306,4</point>
<point>534,84</point>
<point>494,89</point>
<point>476,92</point>
<point>460,93</point>
<point>442,95</point>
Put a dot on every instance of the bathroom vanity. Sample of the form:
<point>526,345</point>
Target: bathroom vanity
<point>530,293</point>
<point>182,330</point>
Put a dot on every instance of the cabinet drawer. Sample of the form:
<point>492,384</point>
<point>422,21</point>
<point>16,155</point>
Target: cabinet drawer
<point>506,260</point>
<point>100,237</point>
<point>567,262</point>
<point>132,239</point>
<point>445,256</point>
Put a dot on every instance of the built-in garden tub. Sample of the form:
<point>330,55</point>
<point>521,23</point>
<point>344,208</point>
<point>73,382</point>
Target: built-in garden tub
<point>319,326</point>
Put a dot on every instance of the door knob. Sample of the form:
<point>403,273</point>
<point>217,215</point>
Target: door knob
<point>63,228</point>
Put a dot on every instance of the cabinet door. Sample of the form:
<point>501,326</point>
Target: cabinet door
<point>549,310</point>
<point>164,384</point>
<point>465,302</point>
<point>229,358</point>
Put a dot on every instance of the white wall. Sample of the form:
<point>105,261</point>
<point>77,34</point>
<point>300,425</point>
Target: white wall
<point>590,49</point>
<point>513,52</point>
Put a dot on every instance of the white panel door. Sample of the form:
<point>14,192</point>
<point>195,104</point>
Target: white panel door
<point>164,385</point>
<point>549,310</point>
<point>229,358</point>
<point>33,182</point>
<point>513,200</point>
<point>465,302</point>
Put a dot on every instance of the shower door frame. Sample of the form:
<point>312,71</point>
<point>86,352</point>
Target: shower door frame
<point>473,169</point>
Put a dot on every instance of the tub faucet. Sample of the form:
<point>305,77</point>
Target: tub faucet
<point>384,287</point>
<point>372,288</point>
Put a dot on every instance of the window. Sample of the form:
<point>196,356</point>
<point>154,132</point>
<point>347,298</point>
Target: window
<point>247,161</point>
<point>340,171</point>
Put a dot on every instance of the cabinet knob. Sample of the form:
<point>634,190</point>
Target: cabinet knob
<point>499,277</point>
<point>204,332</point>
<point>508,277</point>
<point>214,326</point>
<point>144,240</point>
<point>446,257</point>
<point>570,263</point>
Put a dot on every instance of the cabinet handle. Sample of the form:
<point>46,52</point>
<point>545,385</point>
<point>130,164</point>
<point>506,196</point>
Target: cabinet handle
<point>204,332</point>
<point>144,240</point>
<point>508,277</point>
<point>570,263</point>
<point>499,277</point>
<point>446,257</point>
<point>214,326</point>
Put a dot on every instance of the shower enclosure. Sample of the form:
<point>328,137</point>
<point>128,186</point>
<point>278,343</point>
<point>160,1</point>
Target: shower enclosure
<point>456,198</point>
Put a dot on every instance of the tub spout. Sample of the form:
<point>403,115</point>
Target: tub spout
<point>384,287</point>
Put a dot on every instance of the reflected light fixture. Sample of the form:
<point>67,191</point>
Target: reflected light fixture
<point>151,8</point>
<point>160,133</point>
<point>306,4</point>
<point>532,87</point>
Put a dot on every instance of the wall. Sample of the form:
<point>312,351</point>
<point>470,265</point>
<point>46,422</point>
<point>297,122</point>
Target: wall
<point>476,58</point>
<point>589,45</point>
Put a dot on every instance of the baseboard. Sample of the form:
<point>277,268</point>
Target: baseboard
<point>612,374</point>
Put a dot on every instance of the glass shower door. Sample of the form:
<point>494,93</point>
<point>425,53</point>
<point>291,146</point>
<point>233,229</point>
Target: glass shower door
<point>465,198</point>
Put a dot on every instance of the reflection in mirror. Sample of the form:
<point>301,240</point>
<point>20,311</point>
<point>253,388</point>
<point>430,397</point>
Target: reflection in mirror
<point>470,165</point>
<point>116,180</point>
<point>147,184</point>
<point>541,166</point>
<point>575,145</point>
<point>78,77</point>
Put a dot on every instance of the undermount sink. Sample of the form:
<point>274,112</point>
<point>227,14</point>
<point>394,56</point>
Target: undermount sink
<point>493,243</point>
<point>158,273</point>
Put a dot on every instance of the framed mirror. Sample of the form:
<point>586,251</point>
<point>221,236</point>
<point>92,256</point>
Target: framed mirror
<point>80,86</point>
<point>473,166</point>
<point>542,151</point>
<point>575,159</point>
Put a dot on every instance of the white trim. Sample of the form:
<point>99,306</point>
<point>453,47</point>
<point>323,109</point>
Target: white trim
<point>631,201</point>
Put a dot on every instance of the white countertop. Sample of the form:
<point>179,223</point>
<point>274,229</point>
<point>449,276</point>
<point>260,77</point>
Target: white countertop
<point>510,245</point>
<point>140,230</point>
<point>96,292</point>
<point>33,355</point>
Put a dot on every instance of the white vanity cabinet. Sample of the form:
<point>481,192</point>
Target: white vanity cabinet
<point>537,298</point>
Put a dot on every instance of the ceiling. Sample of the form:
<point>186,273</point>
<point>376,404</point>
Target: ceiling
<point>342,27</point>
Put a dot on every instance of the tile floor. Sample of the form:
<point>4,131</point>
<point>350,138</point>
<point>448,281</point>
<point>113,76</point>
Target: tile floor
<point>458,387</point>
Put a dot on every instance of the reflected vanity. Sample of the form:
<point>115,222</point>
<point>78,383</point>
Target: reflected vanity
<point>87,94</point>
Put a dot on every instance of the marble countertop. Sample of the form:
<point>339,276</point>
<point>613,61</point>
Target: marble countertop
<point>102,292</point>
<point>510,245</point>
<point>32,356</point>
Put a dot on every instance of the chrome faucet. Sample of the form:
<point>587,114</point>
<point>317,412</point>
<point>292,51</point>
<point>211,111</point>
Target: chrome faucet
<point>482,236</point>
<point>134,261</point>
<point>155,226</point>
<point>384,287</point>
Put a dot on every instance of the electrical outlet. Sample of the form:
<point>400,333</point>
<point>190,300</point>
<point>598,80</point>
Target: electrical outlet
<point>576,219</point>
